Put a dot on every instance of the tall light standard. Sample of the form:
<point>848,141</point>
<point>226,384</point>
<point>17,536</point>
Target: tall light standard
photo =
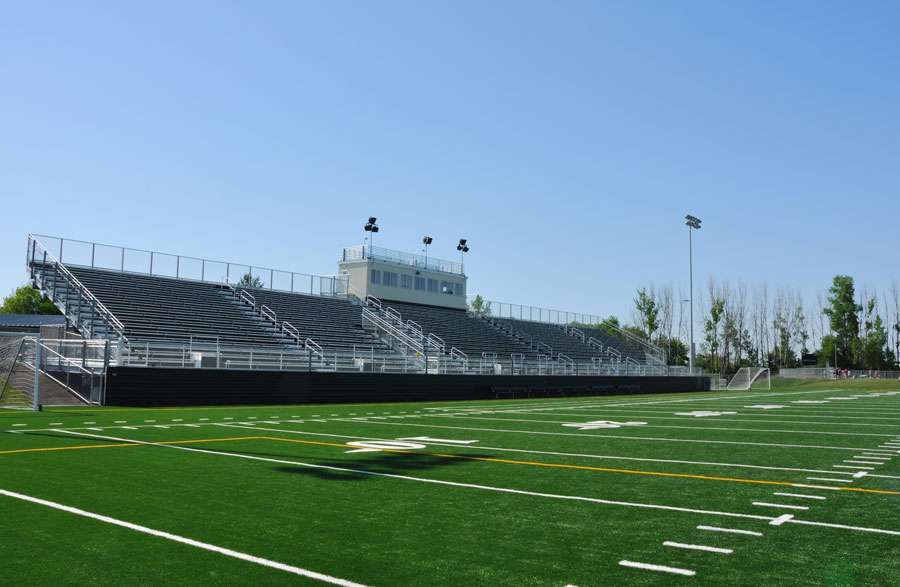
<point>692,223</point>
<point>427,241</point>
<point>462,248</point>
<point>373,228</point>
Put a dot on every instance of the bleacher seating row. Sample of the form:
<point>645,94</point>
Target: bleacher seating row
<point>178,311</point>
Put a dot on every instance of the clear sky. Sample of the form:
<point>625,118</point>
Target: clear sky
<point>565,140</point>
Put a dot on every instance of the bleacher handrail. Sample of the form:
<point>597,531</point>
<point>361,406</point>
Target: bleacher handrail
<point>84,292</point>
<point>247,297</point>
<point>290,330</point>
<point>414,327</point>
<point>436,341</point>
<point>595,343</point>
<point>267,312</point>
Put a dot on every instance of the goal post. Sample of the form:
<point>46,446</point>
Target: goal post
<point>751,377</point>
<point>20,353</point>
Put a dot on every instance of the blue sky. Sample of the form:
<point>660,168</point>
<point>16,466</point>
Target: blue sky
<point>565,140</point>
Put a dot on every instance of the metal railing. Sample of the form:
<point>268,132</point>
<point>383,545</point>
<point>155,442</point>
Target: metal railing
<point>127,260</point>
<point>361,252</point>
<point>572,321</point>
<point>46,271</point>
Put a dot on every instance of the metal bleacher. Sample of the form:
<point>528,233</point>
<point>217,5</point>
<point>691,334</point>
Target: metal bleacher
<point>458,330</point>
<point>160,308</point>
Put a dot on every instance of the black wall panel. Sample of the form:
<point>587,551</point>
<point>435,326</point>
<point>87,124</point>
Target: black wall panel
<point>136,386</point>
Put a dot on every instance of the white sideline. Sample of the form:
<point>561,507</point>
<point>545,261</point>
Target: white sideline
<point>771,520</point>
<point>649,567</point>
<point>188,541</point>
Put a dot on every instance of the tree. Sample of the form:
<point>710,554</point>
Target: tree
<point>479,306</point>
<point>647,313</point>
<point>843,314</point>
<point>27,300</point>
<point>248,280</point>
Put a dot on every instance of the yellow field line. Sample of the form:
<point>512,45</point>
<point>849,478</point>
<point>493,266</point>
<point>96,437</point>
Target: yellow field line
<point>6,452</point>
<point>586,468</point>
<point>467,458</point>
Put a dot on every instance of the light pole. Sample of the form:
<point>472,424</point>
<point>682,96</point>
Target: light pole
<point>373,228</point>
<point>462,248</point>
<point>427,241</point>
<point>692,223</point>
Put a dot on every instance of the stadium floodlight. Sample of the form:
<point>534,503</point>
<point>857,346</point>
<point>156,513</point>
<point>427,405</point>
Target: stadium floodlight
<point>373,228</point>
<point>427,241</point>
<point>463,249</point>
<point>692,222</point>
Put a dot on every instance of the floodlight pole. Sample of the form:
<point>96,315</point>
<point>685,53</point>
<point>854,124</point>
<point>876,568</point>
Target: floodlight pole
<point>691,279</point>
<point>693,223</point>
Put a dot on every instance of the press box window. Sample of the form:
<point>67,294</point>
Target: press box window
<point>376,276</point>
<point>390,279</point>
<point>420,283</point>
<point>433,286</point>
<point>406,281</point>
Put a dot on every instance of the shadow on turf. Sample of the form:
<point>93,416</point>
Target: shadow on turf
<point>389,463</point>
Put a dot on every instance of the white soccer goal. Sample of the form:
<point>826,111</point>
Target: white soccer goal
<point>751,377</point>
<point>19,353</point>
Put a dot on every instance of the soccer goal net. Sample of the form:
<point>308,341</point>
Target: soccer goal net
<point>751,378</point>
<point>18,377</point>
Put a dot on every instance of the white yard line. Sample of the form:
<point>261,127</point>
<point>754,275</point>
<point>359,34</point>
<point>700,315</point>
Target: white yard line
<point>542,452</point>
<point>578,498</point>
<point>800,495</point>
<point>729,530</point>
<point>723,429</point>
<point>181,539</point>
<point>606,436</point>
<point>698,547</point>
<point>660,568</point>
<point>826,479</point>
<point>780,505</point>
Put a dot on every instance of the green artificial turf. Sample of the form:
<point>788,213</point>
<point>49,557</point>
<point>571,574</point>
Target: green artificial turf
<point>531,502</point>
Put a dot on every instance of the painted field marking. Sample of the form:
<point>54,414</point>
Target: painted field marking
<point>863,462</point>
<point>20,424</point>
<point>766,407</point>
<point>183,540</point>
<point>120,422</point>
<point>56,423</point>
<point>90,422</point>
<point>827,479</point>
<point>251,417</point>
<point>129,427</point>
<point>190,426</point>
<point>161,426</point>
<point>14,432</point>
<point>149,421</point>
<point>853,467</point>
<point>542,452</point>
<point>661,568</point>
<point>860,474</point>
<point>228,418</point>
<point>781,520</point>
<point>178,419</point>
<point>872,457</point>
<point>600,424</point>
<point>698,547</point>
<point>729,530</point>
<point>818,487</point>
<point>608,436</point>
<point>204,419</point>
<point>800,495</point>
<point>97,429</point>
<point>780,505</point>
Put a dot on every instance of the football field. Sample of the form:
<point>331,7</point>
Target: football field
<point>782,487</point>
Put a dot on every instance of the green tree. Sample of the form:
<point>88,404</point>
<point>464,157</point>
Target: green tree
<point>712,332</point>
<point>479,306</point>
<point>648,313</point>
<point>843,315</point>
<point>873,347</point>
<point>248,280</point>
<point>27,300</point>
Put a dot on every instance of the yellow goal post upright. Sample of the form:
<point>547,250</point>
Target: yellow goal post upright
<point>20,359</point>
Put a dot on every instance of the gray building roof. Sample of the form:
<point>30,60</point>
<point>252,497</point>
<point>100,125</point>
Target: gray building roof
<point>30,320</point>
